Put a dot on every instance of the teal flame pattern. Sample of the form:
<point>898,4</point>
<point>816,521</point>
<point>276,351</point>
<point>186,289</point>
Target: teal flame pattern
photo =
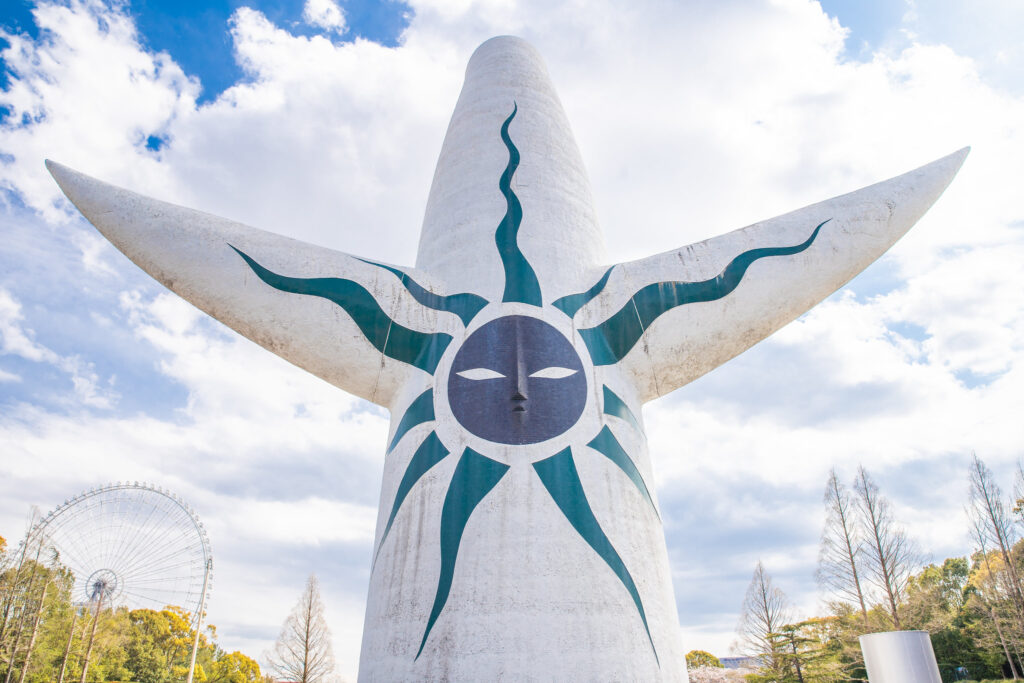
<point>610,341</point>
<point>520,281</point>
<point>419,349</point>
<point>465,305</point>
<point>419,411</point>
<point>560,477</point>
<point>574,302</point>
<point>476,475</point>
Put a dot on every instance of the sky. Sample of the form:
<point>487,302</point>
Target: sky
<point>322,121</point>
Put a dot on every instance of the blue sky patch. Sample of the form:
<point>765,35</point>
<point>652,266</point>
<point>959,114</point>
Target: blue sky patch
<point>196,35</point>
<point>975,380</point>
<point>872,23</point>
<point>908,330</point>
<point>43,271</point>
<point>15,18</point>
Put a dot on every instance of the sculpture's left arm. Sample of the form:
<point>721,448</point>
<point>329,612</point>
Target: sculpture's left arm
<point>364,327</point>
<point>670,318</point>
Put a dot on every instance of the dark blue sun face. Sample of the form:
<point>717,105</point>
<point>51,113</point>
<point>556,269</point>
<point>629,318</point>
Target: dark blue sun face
<point>517,380</point>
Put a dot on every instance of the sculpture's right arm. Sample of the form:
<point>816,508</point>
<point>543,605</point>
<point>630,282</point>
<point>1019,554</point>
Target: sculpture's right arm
<point>347,321</point>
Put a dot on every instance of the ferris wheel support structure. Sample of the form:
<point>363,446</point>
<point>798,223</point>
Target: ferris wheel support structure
<point>199,620</point>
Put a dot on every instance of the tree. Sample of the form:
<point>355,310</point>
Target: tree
<point>765,612</point>
<point>303,651</point>
<point>814,650</point>
<point>990,597</point>
<point>841,547</point>
<point>935,596</point>
<point>992,523</point>
<point>234,668</point>
<point>695,658</point>
<point>892,556</point>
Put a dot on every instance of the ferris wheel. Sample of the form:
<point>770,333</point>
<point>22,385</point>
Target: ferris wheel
<point>132,545</point>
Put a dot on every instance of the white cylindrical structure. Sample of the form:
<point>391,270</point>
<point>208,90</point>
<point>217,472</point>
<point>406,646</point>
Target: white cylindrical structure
<point>518,537</point>
<point>900,657</point>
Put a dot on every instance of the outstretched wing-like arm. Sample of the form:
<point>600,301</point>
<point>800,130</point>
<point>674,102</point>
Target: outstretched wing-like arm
<point>670,318</point>
<point>359,325</point>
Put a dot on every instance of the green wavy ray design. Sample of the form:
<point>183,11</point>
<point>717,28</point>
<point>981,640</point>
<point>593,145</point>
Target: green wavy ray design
<point>474,477</point>
<point>464,305</point>
<point>574,302</point>
<point>615,406</point>
<point>520,281</point>
<point>419,411</point>
<point>560,477</point>
<point>430,452</point>
<point>419,349</point>
<point>606,444</point>
<point>610,341</point>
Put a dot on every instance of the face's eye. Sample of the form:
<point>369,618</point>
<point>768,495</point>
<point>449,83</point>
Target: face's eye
<point>553,372</point>
<point>479,373</point>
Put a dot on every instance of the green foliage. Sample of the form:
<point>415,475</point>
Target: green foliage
<point>959,602</point>
<point>39,623</point>
<point>234,668</point>
<point>696,658</point>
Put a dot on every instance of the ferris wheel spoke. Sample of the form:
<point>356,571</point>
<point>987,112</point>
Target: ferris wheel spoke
<point>152,510</point>
<point>153,538</point>
<point>143,557</point>
<point>142,544</point>
<point>131,522</point>
<point>167,569</point>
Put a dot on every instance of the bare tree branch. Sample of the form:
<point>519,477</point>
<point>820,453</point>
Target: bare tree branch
<point>303,651</point>
<point>985,596</point>
<point>891,555</point>
<point>841,547</point>
<point>765,611</point>
<point>987,506</point>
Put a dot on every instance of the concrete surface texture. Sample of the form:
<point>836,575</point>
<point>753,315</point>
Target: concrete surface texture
<point>519,536</point>
<point>900,657</point>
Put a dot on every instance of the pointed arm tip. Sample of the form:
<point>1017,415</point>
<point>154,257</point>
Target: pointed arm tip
<point>196,255</point>
<point>670,318</point>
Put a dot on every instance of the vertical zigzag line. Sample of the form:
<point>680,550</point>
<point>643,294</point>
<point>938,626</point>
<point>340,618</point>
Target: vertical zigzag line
<point>520,281</point>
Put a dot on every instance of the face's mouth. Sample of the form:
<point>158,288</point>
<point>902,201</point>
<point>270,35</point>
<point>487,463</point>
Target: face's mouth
<point>520,408</point>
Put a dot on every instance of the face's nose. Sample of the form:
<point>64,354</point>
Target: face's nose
<point>519,396</point>
<point>519,393</point>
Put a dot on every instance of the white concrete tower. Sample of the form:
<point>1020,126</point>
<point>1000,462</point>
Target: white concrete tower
<point>518,536</point>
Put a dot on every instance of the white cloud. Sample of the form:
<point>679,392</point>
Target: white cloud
<point>16,340</point>
<point>312,521</point>
<point>325,14</point>
<point>693,120</point>
<point>92,95</point>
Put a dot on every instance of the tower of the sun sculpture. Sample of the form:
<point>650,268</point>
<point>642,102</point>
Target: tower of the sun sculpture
<point>518,536</point>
